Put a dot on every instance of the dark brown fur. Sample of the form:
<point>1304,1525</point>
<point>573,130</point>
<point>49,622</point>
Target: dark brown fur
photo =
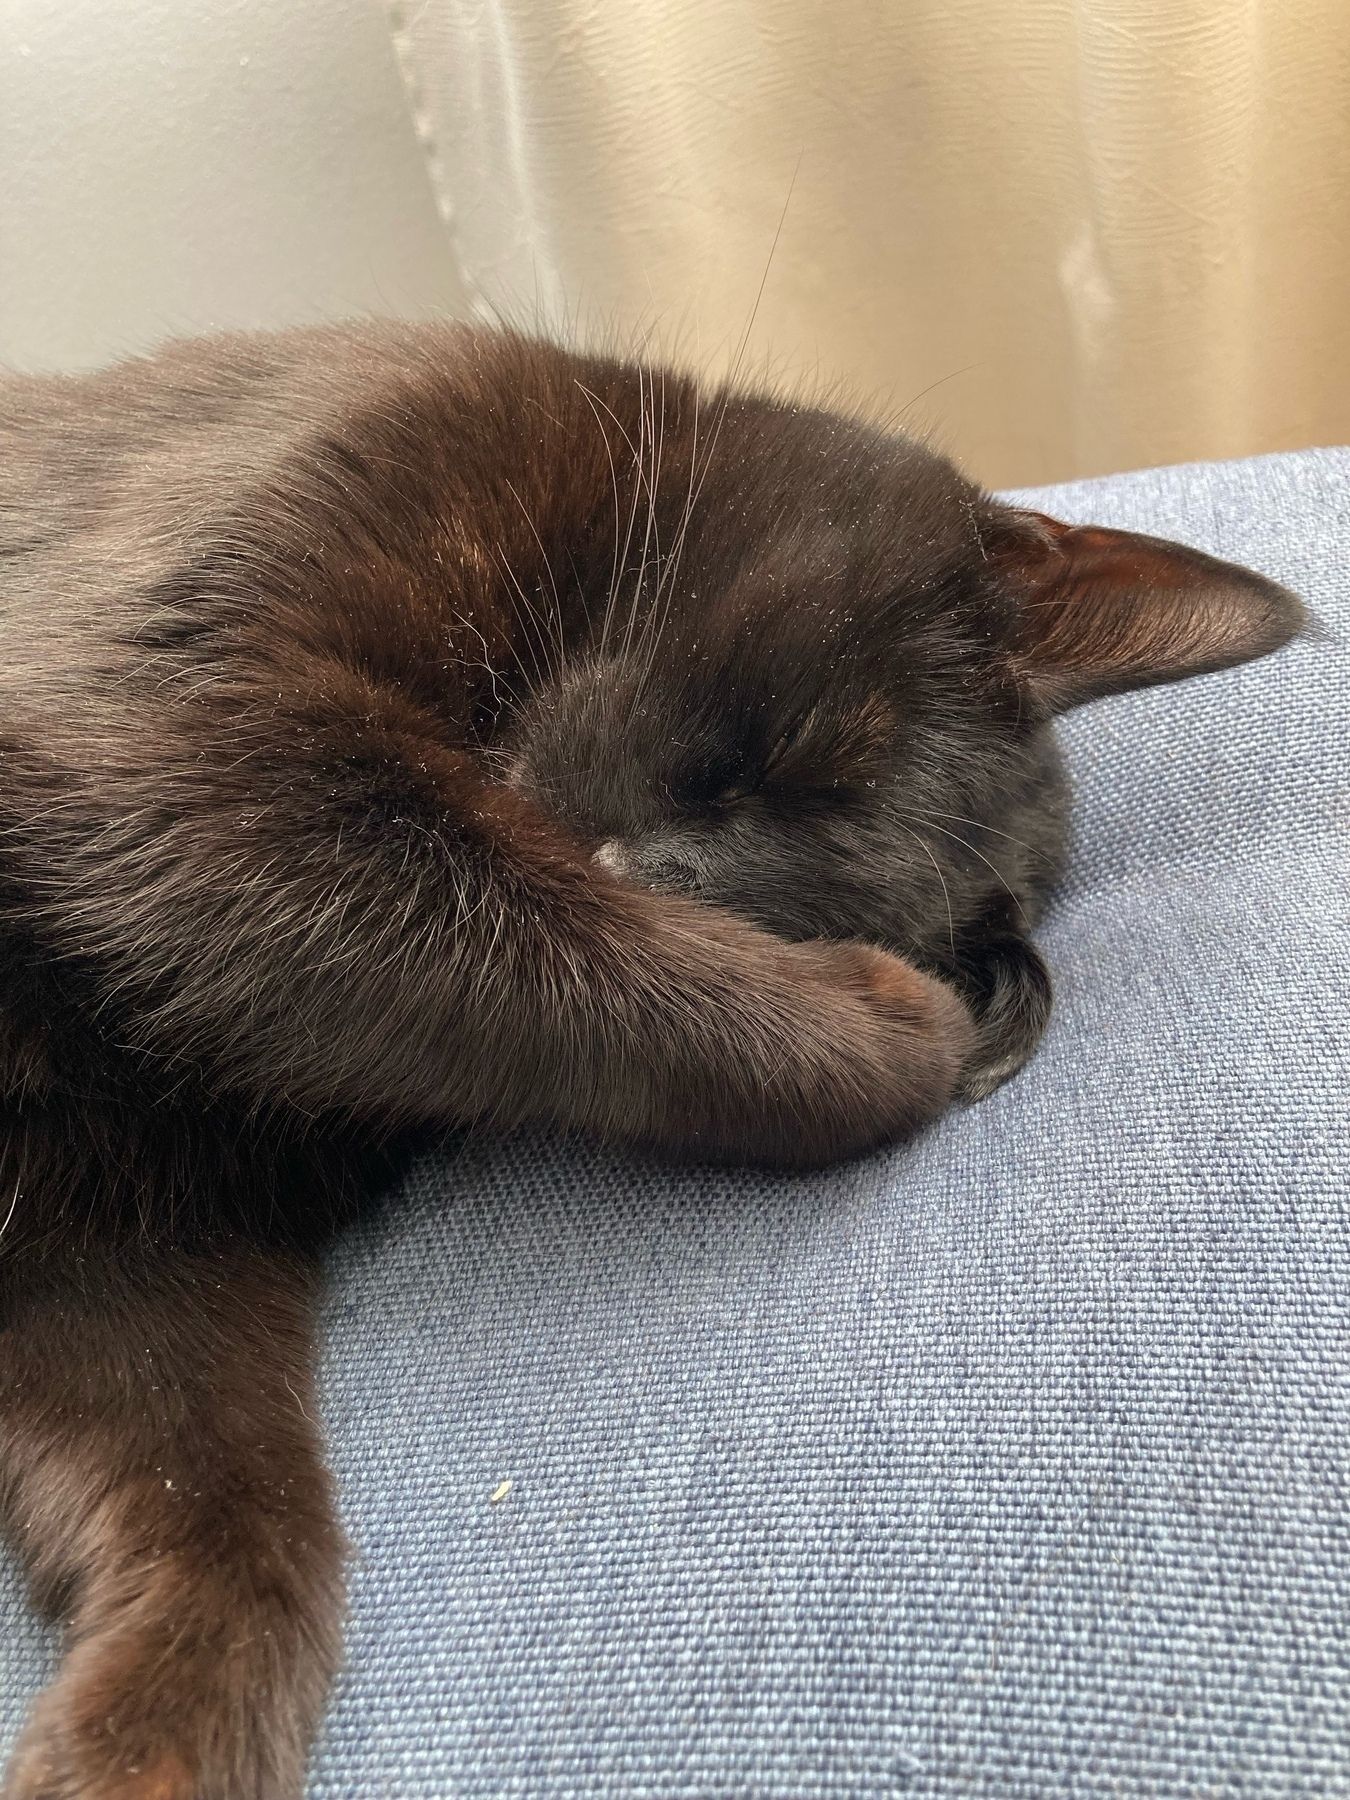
<point>405,726</point>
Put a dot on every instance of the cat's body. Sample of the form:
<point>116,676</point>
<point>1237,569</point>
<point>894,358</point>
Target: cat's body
<point>406,726</point>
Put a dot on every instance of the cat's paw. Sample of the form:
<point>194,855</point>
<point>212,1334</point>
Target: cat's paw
<point>929,1014</point>
<point>64,1754</point>
<point>925,1002</point>
<point>1009,990</point>
<point>150,1728</point>
<point>49,1764</point>
<point>820,1050</point>
<point>919,1037</point>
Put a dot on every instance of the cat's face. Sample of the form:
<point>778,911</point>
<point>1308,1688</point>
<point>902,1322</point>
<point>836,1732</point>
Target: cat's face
<point>828,713</point>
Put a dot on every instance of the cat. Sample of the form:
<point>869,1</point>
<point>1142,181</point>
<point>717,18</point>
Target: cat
<point>407,727</point>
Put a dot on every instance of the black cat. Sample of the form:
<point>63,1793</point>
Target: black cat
<point>412,725</point>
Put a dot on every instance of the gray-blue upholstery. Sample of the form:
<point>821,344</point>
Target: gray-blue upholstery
<point>1013,1463</point>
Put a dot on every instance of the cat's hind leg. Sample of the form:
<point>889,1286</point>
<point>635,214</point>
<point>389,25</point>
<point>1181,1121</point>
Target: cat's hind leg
<point>162,1479</point>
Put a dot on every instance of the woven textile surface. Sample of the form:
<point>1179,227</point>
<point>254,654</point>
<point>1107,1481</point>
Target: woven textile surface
<point>1013,1463</point>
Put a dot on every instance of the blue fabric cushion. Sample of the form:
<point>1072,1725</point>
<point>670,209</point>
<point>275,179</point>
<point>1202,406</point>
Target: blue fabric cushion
<point>1013,1463</point>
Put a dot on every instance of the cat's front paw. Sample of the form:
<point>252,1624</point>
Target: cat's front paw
<point>933,1015</point>
<point>904,1067</point>
<point>1009,992</point>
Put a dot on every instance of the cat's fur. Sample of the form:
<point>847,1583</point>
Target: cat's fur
<point>405,726</point>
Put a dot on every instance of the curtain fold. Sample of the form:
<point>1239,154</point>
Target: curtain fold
<point>1067,235</point>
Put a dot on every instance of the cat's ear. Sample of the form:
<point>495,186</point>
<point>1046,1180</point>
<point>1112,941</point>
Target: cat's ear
<point>1099,611</point>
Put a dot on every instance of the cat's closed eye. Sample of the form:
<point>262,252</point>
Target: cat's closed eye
<point>736,791</point>
<point>731,784</point>
<point>829,751</point>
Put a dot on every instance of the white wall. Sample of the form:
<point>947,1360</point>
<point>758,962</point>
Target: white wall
<point>167,166</point>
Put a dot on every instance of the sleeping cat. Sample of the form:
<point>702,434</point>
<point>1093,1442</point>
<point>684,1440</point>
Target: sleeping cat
<point>405,727</point>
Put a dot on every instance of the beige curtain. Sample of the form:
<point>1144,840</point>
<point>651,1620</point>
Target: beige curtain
<point>1067,235</point>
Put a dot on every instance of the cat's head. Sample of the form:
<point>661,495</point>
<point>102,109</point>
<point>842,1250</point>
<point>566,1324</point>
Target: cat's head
<point>818,694</point>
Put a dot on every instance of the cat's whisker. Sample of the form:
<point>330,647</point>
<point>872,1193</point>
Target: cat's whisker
<point>946,895</point>
<point>652,471</point>
<point>636,454</point>
<point>764,278</point>
<point>675,560</point>
<point>967,845</point>
<point>979,824</point>
<point>656,436</point>
<point>667,579</point>
<point>654,622</point>
<point>727,392</point>
<point>527,643</point>
<point>729,384</point>
<point>13,1206</point>
<point>589,398</point>
<point>548,570</point>
<point>497,679</point>
<point>532,621</point>
<point>656,484</point>
<point>719,418</point>
<point>638,489</point>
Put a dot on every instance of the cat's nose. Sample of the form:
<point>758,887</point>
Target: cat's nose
<point>613,855</point>
<point>651,862</point>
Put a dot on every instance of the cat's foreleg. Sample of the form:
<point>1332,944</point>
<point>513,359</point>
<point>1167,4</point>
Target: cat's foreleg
<point>350,915</point>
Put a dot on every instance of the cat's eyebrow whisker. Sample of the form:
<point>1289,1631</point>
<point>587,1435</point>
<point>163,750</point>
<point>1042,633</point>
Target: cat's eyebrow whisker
<point>641,473</point>
<point>532,618</point>
<point>620,554</point>
<point>666,579</point>
<point>494,675</point>
<point>651,534</point>
<point>764,278</point>
<point>719,419</point>
<point>655,441</point>
<point>729,382</point>
<point>690,494</point>
<point>526,634</point>
<point>728,385</point>
<point>693,488</point>
<point>531,613</point>
<point>9,1216</point>
<point>635,451</point>
<point>724,401</point>
<point>658,613</point>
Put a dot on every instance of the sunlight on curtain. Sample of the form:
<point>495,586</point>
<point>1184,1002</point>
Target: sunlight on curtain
<point>1089,236</point>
